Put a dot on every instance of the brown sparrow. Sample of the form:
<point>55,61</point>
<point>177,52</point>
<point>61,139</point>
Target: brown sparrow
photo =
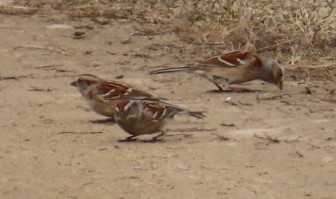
<point>139,117</point>
<point>234,68</point>
<point>103,95</point>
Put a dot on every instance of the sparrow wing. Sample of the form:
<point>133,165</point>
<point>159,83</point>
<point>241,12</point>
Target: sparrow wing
<point>155,110</point>
<point>142,109</point>
<point>229,60</point>
<point>163,110</point>
<point>110,90</point>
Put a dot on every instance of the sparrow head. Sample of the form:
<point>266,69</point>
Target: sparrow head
<point>86,81</point>
<point>274,72</point>
<point>278,73</point>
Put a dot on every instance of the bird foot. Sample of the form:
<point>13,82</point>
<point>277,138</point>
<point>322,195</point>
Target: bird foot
<point>155,138</point>
<point>128,139</point>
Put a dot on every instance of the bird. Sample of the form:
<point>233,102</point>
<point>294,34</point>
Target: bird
<point>233,68</point>
<point>140,117</point>
<point>102,95</point>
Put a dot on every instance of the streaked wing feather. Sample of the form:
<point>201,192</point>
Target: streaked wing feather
<point>113,90</point>
<point>156,110</point>
<point>234,59</point>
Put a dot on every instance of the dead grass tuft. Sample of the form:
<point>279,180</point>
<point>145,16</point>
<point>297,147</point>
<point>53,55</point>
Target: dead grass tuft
<point>295,31</point>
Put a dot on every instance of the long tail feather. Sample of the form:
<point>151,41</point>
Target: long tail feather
<point>197,114</point>
<point>171,70</point>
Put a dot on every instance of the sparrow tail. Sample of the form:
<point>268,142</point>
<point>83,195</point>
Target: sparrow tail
<point>197,114</point>
<point>171,70</point>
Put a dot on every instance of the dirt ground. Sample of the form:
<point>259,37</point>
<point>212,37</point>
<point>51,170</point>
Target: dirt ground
<point>263,144</point>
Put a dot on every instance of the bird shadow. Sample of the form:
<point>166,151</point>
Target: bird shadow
<point>141,141</point>
<point>234,90</point>
<point>104,121</point>
<point>159,139</point>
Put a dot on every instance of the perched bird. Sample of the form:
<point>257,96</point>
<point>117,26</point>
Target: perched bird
<point>234,68</point>
<point>139,117</point>
<point>103,95</point>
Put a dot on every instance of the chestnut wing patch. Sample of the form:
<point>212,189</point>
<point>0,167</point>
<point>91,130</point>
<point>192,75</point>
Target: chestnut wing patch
<point>233,59</point>
<point>157,111</point>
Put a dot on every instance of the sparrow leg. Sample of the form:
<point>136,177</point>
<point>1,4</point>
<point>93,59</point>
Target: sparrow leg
<point>221,89</point>
<point>129,139</point>
<point>107,120</point>
<point>221,83</point>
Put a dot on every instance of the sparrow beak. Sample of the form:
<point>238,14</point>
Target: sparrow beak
<point>73,83</point>
<point>279,84</point>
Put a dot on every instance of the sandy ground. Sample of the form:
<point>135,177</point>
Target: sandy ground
<point>265,144</point>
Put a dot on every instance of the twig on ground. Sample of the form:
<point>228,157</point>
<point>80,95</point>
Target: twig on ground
<point>308,91</point>
<point>245,103</point>
<point>13,77</point>
<point>285,102</point>
<point>33,88</point>
<point>81,133</point>
<point>53,67</point>
<point>227,125</point>
<point>147,33</point>
<point>220,137</point>
<point>268,138</point>
<point>58,50</point>
<point>258,98</point>
<point>330,138</point>
<point>231,103</point>
<point>190,130</point>
<point>299,154</point>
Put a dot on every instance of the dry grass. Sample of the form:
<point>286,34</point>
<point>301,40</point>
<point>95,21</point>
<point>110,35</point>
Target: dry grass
<point>296,31</point>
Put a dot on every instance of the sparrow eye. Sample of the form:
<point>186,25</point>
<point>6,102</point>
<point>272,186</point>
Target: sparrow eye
<point>86,82</point>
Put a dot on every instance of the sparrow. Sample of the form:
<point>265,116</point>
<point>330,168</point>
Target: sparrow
<point>102,95</point>
<point>234,68</point>
<point>139,117</point>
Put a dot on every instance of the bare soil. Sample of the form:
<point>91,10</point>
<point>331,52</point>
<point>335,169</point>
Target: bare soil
<point>263,144</point>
